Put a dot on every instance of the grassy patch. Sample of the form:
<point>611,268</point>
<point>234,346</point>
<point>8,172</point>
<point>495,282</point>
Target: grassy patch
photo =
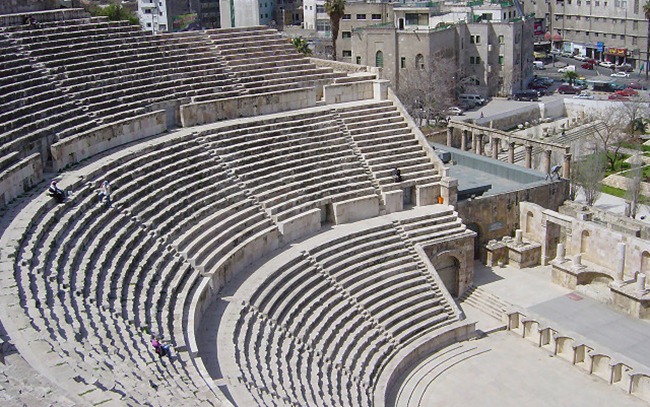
<point>606,189</point>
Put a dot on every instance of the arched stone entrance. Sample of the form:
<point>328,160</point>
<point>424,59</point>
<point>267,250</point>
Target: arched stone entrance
<point>448,268</point>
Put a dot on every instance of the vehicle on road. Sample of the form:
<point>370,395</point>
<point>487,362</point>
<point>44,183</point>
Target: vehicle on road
<point>564,89</point>
<point>537,85</point>
<point>529,95</point>
<point>538,65</point>
<point>587,65</point>
<point>580,57</point>
<point>471,97</point>
<point>624,68</point>
<point>454,111</point>
<point>616,96</point>
<point>620,75</point>
<point>585,94</point>
<point>636,85</point>
<point>568,68</point>
<point>627,92</point>
<point>606,64</point>
<point>602,86</point>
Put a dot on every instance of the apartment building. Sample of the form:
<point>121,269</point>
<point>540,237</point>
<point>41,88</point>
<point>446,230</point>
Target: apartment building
<point>606,30</point>
<point>153,15</point>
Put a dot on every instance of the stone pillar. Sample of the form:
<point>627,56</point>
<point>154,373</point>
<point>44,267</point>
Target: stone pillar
<point>479,145</point>
<point>528,159</point>
<point>474,138</point>
<point>511,153</point>
<point>547,161</point>
<point>640,283</point>
<point>495,147</point>
<point>450,134</point>
<point>577,261</point>
<point>519,237</point>
<point>566,166</point>
<point>620,262</point>
<point>463,140</point>
<point>560,252</point>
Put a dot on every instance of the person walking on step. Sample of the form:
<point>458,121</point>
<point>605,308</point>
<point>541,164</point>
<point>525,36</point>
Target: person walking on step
<point>55,192</point>
<point>105,193</point>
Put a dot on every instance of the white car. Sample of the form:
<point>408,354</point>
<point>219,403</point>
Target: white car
<point>584,95</point>
<point>620,75</point>
<point>580,57</point>
<point>455,111</point>
<point>606,64</point>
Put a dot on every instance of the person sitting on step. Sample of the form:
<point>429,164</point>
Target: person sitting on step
<point>55,192</point>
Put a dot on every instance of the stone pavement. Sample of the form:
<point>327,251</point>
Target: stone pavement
<point>503,369</point>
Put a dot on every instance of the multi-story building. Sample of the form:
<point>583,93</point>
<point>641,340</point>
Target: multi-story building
<point>491,43</point>
<point>210,14</point>
<point>613,30</point>
<point>153,15</point>
<point>242,13</point>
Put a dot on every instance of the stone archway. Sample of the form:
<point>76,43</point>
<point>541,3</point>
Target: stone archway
<point>529,222</point>
<point>645,262</point>
<point>584,241</point>
<point>448,268</point>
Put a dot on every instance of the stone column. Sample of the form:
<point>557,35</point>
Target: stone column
<point>511,152</point>
<point>463,140</point>
<point>560,252</point>
<point>479,144</point>
<point>495,147</point>
<point>620,262</point>
<point>450,134</point>
<point>566,166</point>
<point>528,160</point>
<point>547,161</point>
<point>577,261</point>
<point>519,237</point>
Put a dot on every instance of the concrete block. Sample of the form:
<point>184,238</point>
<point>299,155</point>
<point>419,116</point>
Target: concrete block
<point>300,225</point>
<point>427,194</point>
<point>394,201</point>
<point>356,209</point>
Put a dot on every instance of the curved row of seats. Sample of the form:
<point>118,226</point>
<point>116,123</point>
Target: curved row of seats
<point>346,306</point>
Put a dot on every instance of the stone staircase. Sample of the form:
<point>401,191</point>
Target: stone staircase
<point>487,303</point>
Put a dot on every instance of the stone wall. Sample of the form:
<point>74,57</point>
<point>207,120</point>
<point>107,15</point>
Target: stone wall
<point>212,111</point>
<point>348,92</point>
<point>81,146</point>
<point>20,177</point>
<point>495,216</point>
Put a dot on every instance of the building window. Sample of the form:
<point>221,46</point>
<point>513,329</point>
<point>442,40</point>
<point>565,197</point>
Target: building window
<point>402,62</point>
<point>633,40</point>
<point>587,33</point>
<point>147,11</point>
<point>419,61</point>
<point>579,2</point>
<point>636,6</point>
<point>475,39</point>
<point>501,39</point>
<point>379,59</point>
<point>500,59</point>
<point>320,8</point>
<point>578,18</point>
<point>323,26</point>
<point>376,16</point>
<point>346,34</point>
<point>361,16</point>
<point>597,3</point>
<point>595,34</point>
<point>358,60</point>
<point>605,4</point>
<point>346,16</point>
<point>471,60</point>
<point>474,60</point>
<point>347,53</point>
<point>588,2</point>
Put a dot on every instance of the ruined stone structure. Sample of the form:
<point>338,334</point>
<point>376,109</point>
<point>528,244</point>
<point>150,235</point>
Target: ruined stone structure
<point>254,216</point>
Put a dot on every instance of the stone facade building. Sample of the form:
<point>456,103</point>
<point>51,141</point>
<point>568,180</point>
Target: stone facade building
<point>612,30</point>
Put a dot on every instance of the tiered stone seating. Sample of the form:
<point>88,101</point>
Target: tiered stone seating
<point>311,164</point>
<point>264,61</point>
<point>102,278</point>
<point>386,142</point>
<point>320,329</point>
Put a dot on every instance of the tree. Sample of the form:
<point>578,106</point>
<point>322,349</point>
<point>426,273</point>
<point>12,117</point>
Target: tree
<point>646,12</point>
<point>428,92</point>
<point>571,77</point>
<point>590,172</point>
<point>633,190</point>
<point>114,12</point>
<point>301,45</point>
<point>335,10</point>
<point>609,132</point>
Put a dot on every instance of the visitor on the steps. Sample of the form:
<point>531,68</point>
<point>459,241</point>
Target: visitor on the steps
<point>105,193</point>
<point>55,192</point>
<point>554,171</point>
<point>397,175</point>
<point>162,349</point>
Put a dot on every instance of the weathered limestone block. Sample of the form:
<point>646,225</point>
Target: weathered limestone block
<point>20,177</point>
<point>394,200</point>
<point>300,225</point>
<point>497,253</point>
<point>348,92</point>
<point>356,209</point>
<point>525,254</point>
<point>427,194</point>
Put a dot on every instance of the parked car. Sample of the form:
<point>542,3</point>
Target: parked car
<point>585,94</point>
<point>616,96</point>
<point>544,79</point>
<point>592,61</point>
<point>620,75</point>
<point>627,92</point>
<point>454,111</point>
<point>580,57</point>
<point>625,68</point>
<point>563,89</point>
<point>529,95</point>
<point>606,64</point>
<point>636,85</point>
<point>587,65</point>
<point>568,68</point>
<point>537,85</point>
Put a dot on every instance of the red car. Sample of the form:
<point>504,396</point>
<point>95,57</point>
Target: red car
<point>568,89</point>
<point>627,92</point>
<point>588,65</point>
<point>616,96</point>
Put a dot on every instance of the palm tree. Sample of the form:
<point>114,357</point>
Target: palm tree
<point>301,45</point>
<point>646,11</point>
<point>571,76</point>
<point>335,9</point>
